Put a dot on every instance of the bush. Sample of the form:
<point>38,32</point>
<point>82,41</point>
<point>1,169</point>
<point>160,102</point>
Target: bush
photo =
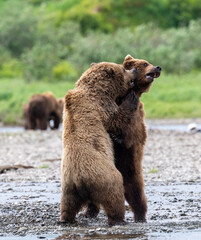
<point>17,27</point>
<point>9,67</point>
<point>176,50</point>
<point>64,71</point>
<point>53,46</point>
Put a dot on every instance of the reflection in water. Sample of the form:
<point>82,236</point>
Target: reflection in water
<point>105,236</point>
<point>185,235</point>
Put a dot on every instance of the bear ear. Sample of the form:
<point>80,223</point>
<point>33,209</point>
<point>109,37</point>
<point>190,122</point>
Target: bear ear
<point>127,65</point>
<point>128,57</point>
<point>93,64</point>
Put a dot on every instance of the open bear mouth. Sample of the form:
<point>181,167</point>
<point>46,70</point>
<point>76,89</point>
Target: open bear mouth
<point>152,75</point>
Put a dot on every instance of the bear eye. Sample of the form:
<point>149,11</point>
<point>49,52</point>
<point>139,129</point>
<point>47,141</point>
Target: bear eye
<point>145,64</point>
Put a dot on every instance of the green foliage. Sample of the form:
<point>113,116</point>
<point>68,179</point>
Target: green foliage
<point>50,43</point>
<point>181,12</point>
<point>176,50</point>
<point>14,93</point>
<point>17,27</point>
<point>52,47</point>
<point>109,15</point>
<point>171,96</point>
<point>89,14</point>
<point>63,71</point>
<point>9,67</point>
<point>56,40</point>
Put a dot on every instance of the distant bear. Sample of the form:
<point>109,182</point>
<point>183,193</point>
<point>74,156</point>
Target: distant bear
<point>89,174</point>
<point>42,108</point>
<point>129,141</point>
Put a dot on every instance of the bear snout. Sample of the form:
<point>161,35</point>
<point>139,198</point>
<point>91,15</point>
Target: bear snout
<point>134,70</point>
<point>158,68</point>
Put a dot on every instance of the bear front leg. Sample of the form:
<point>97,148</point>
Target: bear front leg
<point>122,117</point>
<point>42,123</point>
<point>129,101</point>
<point>56,122</point>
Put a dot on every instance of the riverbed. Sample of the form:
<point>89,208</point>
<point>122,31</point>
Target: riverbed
<point>30,198</point>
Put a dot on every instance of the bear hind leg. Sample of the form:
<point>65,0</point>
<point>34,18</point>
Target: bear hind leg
<point>71,203</point>
<point>135,196</point>
<point>114,206</point>
<point>92,210</point>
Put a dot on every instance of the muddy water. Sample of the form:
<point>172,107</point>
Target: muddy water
<point>31,211</point>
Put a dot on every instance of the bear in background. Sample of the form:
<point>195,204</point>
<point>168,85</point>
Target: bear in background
<point>89,174</point>
<point>42,108</point>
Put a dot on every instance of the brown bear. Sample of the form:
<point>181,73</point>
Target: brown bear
<point>55,117</point>
<point>89,174</point>
<point>129,141</point>
<point>42,108</point>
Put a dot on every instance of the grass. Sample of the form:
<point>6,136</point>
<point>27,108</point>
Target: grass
<point>174,96</point>
<point>153,171</point>
<point>171,96</point>
<point>15,92</point>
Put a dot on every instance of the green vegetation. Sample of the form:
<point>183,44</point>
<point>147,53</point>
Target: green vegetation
<point>47,44</point>
<point>174,96</point>
<point>171,96</point>
<point>153,170</point>
<point>14,93</point>
<point>43,166</point>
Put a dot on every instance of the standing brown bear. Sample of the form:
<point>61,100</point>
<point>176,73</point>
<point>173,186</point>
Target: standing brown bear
<point>89,174</point>
<point>129,141</point>
<point>42,108</point>
<point>129,153</point>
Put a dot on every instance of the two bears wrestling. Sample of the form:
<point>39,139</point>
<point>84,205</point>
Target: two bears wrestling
<point>103,141</point>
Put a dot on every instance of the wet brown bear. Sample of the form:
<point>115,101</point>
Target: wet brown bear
<point>40,109</point>
<point>129,141</point>
<point>89,174</point>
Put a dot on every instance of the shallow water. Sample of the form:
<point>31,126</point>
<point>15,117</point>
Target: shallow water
<point>174,213</point>
<point>184,235</point>
<point>170,127</point>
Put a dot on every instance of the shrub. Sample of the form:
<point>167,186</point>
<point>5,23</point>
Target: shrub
<point>64,71</point>
<point>17,27</point>
<point>53,45</point>
<point>176,50</point>
<point>9,67</point>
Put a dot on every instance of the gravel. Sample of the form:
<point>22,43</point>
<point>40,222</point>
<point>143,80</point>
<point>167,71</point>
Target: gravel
<point>29,206</point>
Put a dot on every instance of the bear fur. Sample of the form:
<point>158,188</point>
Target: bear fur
<point>129,141</point>
<point>42,108</point>
<point>89,175</point>
<point>129,155</point>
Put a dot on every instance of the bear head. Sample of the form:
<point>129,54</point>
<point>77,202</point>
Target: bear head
<point>108,78</point>
<point>146,73</point>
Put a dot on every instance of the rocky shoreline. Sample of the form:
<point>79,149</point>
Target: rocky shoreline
<point>30,197</point>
